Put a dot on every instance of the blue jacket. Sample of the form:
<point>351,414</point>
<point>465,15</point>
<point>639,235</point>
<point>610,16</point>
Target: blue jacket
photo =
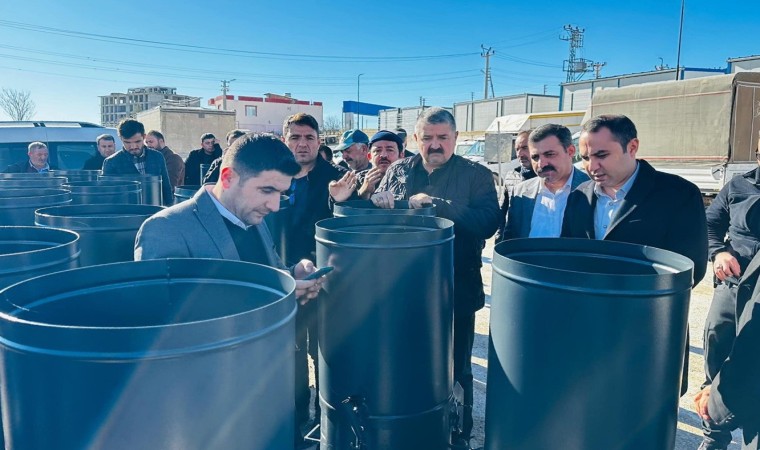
<point>120,163</point>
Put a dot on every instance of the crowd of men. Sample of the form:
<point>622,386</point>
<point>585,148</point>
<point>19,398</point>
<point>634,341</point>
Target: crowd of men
<point>614,196</point>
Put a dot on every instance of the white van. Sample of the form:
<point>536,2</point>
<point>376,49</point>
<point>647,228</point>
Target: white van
<point>70,143</point>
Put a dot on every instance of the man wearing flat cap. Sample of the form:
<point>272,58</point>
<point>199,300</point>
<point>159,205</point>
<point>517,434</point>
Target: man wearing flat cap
<point>354,144</point>
<point>385,147</point>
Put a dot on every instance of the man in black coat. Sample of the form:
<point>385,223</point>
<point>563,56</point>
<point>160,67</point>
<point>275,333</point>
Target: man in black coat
<point>106,147</point>
<point>135,158</point>
<point>309,202</point>
<point>204,155</point>
<point>733,398</point>
<point>627,200</point>
<point>734,240</point>
<point>463,192</point>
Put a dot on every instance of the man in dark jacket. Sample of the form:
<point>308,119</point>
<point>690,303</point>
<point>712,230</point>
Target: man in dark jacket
<point>37,161</point>
<point>728,215</point>
<point>309,200</point>
<point>154,140</point>
<point>525,172</point>
<point>135,158</point>
<point>732,399</point>
<point>463,192</point>
<point>106,147</point>
<point>204,155</point>
<point>627,200</point>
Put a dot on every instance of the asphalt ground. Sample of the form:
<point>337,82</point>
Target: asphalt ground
<point>689,434</point>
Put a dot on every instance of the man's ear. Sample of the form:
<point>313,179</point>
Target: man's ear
<point>226,176</point>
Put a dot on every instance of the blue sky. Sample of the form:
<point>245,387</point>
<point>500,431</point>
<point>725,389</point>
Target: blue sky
<point>315,50</point>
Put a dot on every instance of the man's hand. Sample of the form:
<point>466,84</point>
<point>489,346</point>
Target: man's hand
<point>420,201</point>
<point>373,176</point>
<point>342,189</point>
<point>725,265</point>
<point>306,289</point>
<point>700,402</point>
<point>383,200</point>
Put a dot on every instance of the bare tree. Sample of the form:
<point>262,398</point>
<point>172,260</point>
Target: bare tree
<point>331,125</point>
<point>17,104</point>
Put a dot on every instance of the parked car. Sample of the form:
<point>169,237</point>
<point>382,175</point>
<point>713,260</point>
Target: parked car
<point>70,144</point>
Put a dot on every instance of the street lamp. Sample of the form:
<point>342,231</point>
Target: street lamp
<point>358,87</point>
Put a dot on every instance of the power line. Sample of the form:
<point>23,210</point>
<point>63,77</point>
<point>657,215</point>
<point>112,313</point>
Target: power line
<point>215,50</point>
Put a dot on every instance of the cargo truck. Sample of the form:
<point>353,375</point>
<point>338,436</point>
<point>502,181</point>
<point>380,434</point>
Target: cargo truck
<point>703,129</point>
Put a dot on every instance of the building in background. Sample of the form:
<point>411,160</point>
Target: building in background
<point>118,106</point>
<point>182,127</point>
<point>476,115</point>
<point>744,64</point>
<point>265,114</point>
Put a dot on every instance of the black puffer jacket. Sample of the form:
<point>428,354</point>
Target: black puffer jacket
<point>463,192</point>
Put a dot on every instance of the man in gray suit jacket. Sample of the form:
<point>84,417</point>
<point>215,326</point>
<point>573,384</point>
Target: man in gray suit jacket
<point>538,204</point>
<point>225,221</point>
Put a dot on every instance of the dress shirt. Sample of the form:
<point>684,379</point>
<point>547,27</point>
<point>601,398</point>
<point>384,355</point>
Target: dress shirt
<point>224,211</point>
<point>549,210</point>
<point>607,207</point>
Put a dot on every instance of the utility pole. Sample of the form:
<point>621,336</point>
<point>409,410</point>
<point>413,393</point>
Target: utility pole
<point>487,53</point>
<point>598,69</point>
<point>358,86</point>
<point>680,35</point>
<point>574,65</point>
<point>225,89</point>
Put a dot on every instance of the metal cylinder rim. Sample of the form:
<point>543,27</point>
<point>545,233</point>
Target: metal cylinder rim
<point>679,267</point>
<point>49,281</point>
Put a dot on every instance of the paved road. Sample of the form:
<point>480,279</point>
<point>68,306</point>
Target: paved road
<point>689,433</point>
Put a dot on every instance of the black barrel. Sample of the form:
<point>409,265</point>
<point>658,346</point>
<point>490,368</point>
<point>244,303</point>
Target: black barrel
<point>77,175</point>
<point>26,175</point>
<point>150,185</point>
<point>277,223</point>
<point>167,354</point>
<point>27,252</point>
<point>107,232</point>
<point>385,344</point>
<point>33,183</point>
<point>586,346</point>
<point>104,191</point>
<point>182,193</point>
<point>17,206</point>
<point>363,207</point>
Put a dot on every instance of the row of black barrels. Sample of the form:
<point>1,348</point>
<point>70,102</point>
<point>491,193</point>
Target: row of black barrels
<point>148,361</point>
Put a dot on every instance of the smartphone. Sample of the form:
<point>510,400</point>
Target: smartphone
<point>319,273</point>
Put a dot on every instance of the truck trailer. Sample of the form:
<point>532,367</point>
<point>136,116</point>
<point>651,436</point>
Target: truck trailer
<point>703,129</point>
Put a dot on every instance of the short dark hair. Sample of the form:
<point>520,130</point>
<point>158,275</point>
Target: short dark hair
<point>434,116</point>
<point>156,134</point>
<point>130,127</point>
<point>236,133</point>
<point>400,132</point>
<point>562,134</point>
<point>205,136</point>
<point>300,119</point>
<point>256,153</point>
<point>328,152</point>
<point>104,137</point>
<point>622,128</point>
